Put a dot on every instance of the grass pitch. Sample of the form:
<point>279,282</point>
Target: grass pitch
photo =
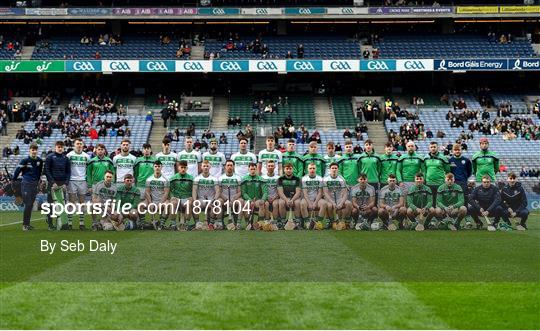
<point>279,280</point>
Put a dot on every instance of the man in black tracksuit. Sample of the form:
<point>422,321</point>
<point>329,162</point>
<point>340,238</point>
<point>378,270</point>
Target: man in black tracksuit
<point>485,200</point>
<point>30,168</point>
<point>514,202</point>
<point>58,171</point>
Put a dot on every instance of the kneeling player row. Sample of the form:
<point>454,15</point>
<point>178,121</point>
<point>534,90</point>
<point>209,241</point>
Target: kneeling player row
<point>310,202</point>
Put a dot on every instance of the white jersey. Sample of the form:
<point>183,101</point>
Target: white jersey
<point>206,187</point>
<point>242,161</point>
<point>193,159</point>
<point>335,186</point>
<point>271,184</point>
<point>230,185</point>
<point>168,164</point>
<point>78,165</point>
<point>328,160</point>
<point>124,165</point>
<point>217,161</point>
<point>313,185</point>
<point>157,187</point>
<point>266,155</point>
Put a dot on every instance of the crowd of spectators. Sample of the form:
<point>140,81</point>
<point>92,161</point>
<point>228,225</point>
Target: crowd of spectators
<point>370,110</point>
<point>102,40</point>
<point>12,45</point>
<point>533,173</point>
<point>265,106</point>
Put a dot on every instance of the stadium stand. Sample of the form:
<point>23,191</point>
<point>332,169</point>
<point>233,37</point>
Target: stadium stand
<point>321,47</point>
<point>450,46</point>
<point>343,112</point>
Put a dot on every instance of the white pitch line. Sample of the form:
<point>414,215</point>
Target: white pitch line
<point>19,222</point>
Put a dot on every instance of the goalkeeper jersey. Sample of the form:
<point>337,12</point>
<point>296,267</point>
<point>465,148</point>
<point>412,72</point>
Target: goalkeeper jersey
<point>124,165</point>
<point>206,187</point>
<point>129,196</point>
<point>78,162</point>
<point>348,168</point>
<point>485,162</point>
<point>389,196</point>
<point>271,185</point>
<point>419,196</point>
<point>297,162</point>
<point>144,168</point>
<point>289,185</point>
<point>319,163</point>
<point>181,186</point>
<point>450,196</point>
<point>312,185</point>
<point>230,185</point>
<point>253,188</point>
<point>104,191</point>
<point>95,171</point>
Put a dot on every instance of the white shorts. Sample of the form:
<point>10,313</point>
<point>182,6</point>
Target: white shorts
<point>77,187</point>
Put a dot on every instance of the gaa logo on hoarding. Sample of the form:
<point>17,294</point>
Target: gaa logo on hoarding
<point>218,11</point>
<point>414,65</point>
<point>157,66</point>
<point>377,65</point>
<point>266,65</point>
<point>230,66</point>
<point>303,66</point>
<point>8,206</point>
<point>83,66</point>
<point>192,66</point>
<point>261,11</point>
<point>119,66</point>
<point>306,11</point>
<point>347,11</point>
<point>340,65</point>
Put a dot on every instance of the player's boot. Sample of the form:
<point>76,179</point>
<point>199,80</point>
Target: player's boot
<point>82,227</point>
<point>521,227</point>
<point>27,228</point>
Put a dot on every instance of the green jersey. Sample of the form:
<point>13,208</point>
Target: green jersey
<point>297,162</point>
<point>389,164</point>
<point>450,196</point>
<point>370,164</point>
<point>409,165</point>
<point>389,196</point>
<point>419,196</point>
<point>181,186</point>
<point>144,168</point>
<point>253,188</point>
<point>485,162</point>
<point>437,166</point>
<point>96,168</point>
<point>128,196</point>
<point>348,168</point>
<point>319,163</point>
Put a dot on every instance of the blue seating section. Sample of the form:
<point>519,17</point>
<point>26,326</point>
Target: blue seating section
<point>6,55</point>
<point>449,46</point>
<point>133,48</point>
<point>320,48</point>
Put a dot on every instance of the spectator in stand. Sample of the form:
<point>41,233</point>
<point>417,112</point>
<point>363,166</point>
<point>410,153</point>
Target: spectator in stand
<point>347,134</point>
<point>300,51</point>
<point>223,139</point>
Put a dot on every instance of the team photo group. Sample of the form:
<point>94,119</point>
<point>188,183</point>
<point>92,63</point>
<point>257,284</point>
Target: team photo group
<point>273,190</point>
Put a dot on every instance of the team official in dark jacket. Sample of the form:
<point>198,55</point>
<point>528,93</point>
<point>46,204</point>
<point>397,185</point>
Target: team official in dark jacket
<point>57,170</point>
<point>30,168</point>
<point>461,167</point>
<point>514,202</point>
<point>485,200</point>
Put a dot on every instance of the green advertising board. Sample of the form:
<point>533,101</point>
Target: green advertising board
<point>32,66</point>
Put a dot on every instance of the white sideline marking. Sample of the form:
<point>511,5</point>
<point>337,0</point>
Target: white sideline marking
<point>20,222</point>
